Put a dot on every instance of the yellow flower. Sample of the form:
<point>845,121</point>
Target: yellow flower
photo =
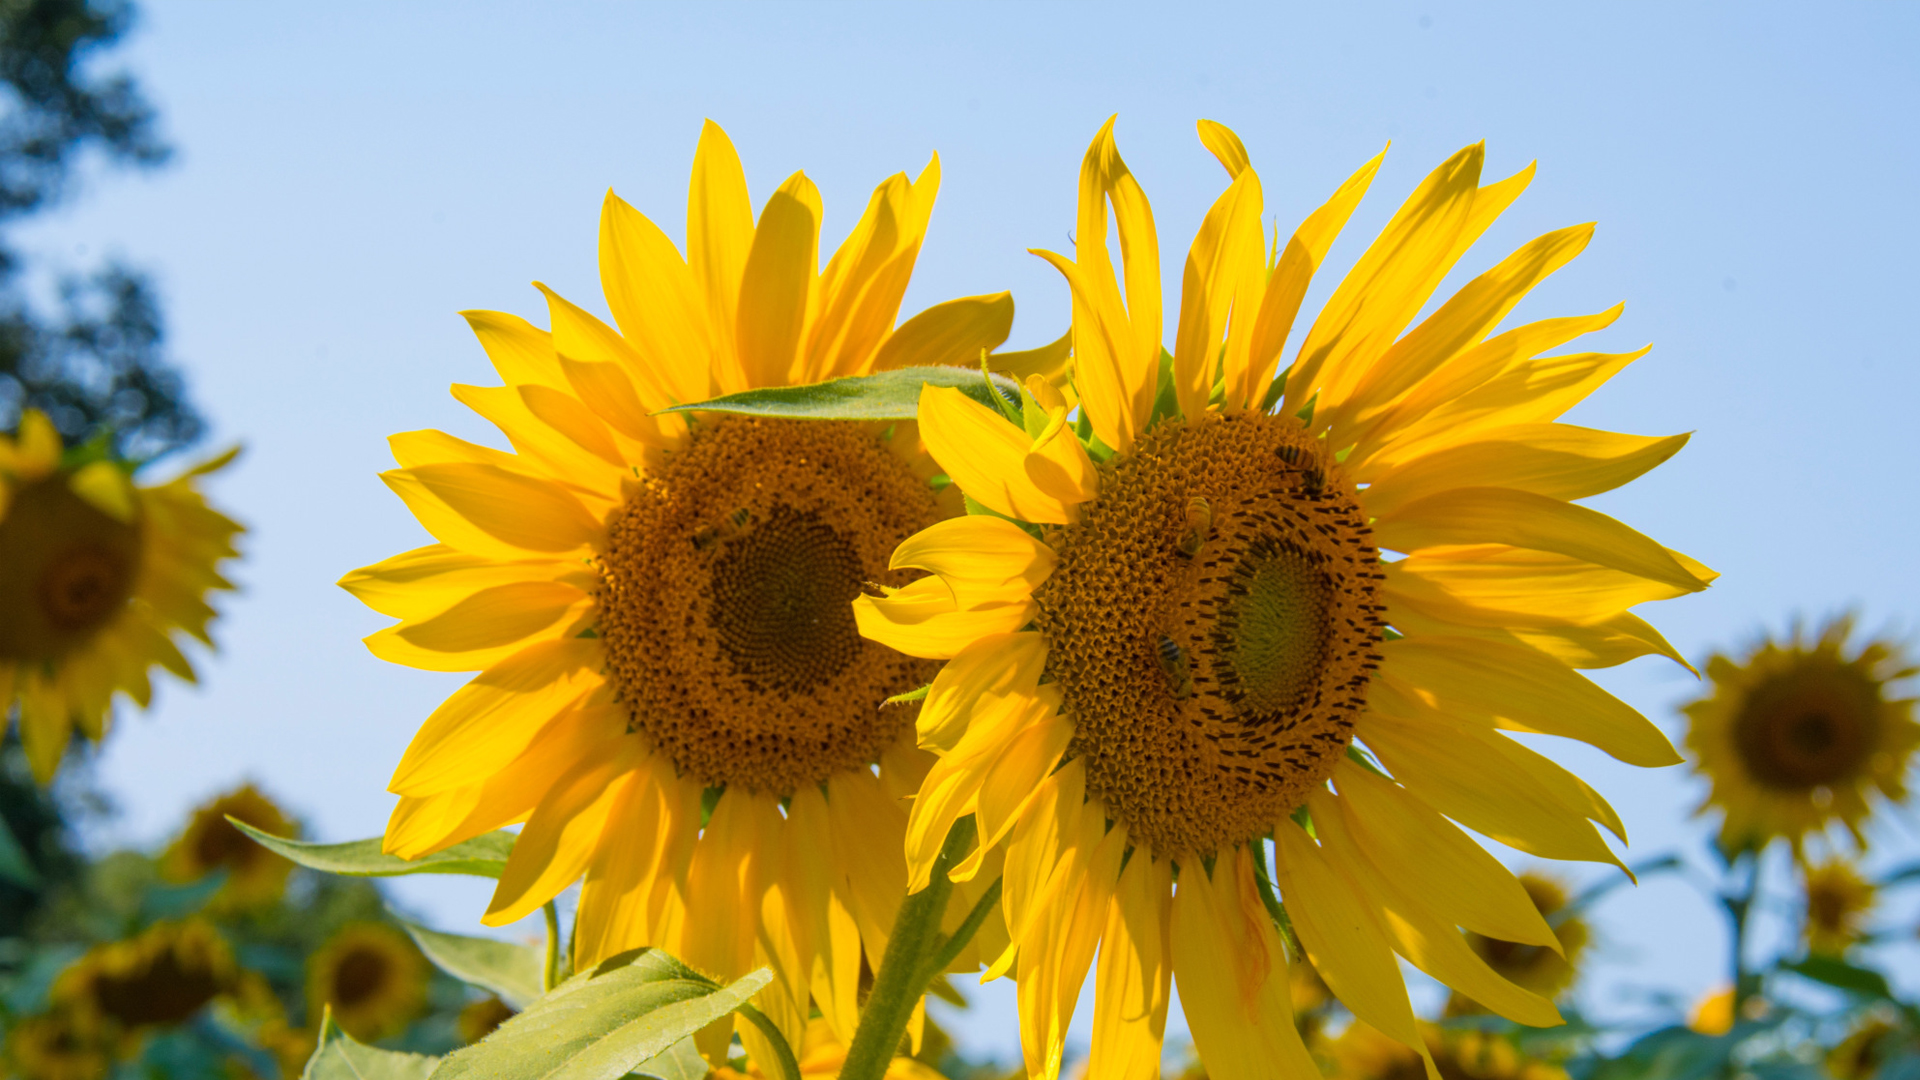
<point>480,1018</point>
<point>1869,1046</point>
<point>1838,898</point>
<point>373,977</point>
<point>1544,970</point>
<point>255,876</point>
<point>821,1054</point>
<point>1795,735</point>
<point>96,576</point>
<point>672,693</point>
<point>1361,1053</point>
<point>122,990</point>
<point>52,1047</point>
<point>1178,655</point>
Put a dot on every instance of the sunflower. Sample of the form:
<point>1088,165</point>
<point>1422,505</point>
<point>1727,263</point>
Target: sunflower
<point>372,976</point>
<point>1872,1043</point>
<point>256,877</point>
<point>1174,647</point>
<point>1795,735</point>
<point>672,693</point>
<point>51,1046</point>
<point>1545,971</point>
<point>97,574</point>
<point>481,1018</point>
<point>1361,1053</point>
<point>1838,898</point>
<point>160,978</point>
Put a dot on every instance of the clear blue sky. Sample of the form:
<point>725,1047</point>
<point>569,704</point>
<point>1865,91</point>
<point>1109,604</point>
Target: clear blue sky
<point>352,175</point>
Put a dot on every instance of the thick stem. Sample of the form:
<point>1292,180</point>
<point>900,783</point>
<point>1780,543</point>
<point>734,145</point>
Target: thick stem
<point>905,970</point>
<point>550,975</point>
<point>1739,905</point>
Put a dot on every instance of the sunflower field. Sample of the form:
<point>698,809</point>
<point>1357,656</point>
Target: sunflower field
<point>780,660</point>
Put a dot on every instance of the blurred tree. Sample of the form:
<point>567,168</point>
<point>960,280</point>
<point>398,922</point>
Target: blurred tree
<point>95,366</point>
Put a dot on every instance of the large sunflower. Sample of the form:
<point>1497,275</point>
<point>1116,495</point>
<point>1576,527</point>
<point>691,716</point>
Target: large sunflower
<point>1796,736</point>
<point>97,574</point>
<point>1194,630</point>
<point>673,695</point>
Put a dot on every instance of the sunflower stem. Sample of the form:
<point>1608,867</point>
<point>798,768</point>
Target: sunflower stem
<point>789,1067</point>
<point>908,965</point>
<point>1739,904</point>
<point>550,974</point>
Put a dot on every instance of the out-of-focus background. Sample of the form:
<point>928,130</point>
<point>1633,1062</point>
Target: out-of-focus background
<point>348,177</point>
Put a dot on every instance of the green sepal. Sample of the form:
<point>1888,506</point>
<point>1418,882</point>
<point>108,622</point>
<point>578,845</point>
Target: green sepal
<point>910,696</point>
<point>482,856</point>
<point>884,395</point>
<point>602,1023</point>
<point>1276,390</point>
<point>1166,397</point>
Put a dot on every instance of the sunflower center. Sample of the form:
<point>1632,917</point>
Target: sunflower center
<point>66,568</point>
<point>361,976</point>
<point>1212,625</point>
<point>1812,727</point>
<point>726,600</point>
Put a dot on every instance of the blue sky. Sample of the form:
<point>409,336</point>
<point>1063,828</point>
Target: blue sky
<point>352,175</point>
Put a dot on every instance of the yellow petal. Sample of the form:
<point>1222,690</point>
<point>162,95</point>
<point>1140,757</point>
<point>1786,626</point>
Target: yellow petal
<point>520,351</point>
<point>1134,980</point>
<point>487,620</point>
<point>729,872</point>
<point>543,451</point>
<point>36,446</point>
<point>1228,254</point>
<point>1343,936</point>
<point>777,284</point>
<point>1460,880</point>
<point>1013,782</point>
<point>1037,852</point>
<point>985,456</point>
<point>956,778</point>
<point>106,488</point>
<point>415,448</point>
<point>861,289</point>
<point>1486,782</point>
<point>1220,140</point>
<point>518,510</point>
<point>1387,287</point>
<point>1522,689</point>
<point>487,722</point>
<point>1488,515</point>
<point>1287,284</point>
<point>1429,942</point>
<point>1231,972</point>
<point>655,300</point>
<point>431,579</point>
<point>1056,962</point>
<point>629,885</point>
<point>559,839</point>
<point>995,666</point>
<point>1560,461</point>
<point>719,235</point>
<point>867,828</point>
<point>952,333</point>
<point>921,620</point>
<point>1528,392</point>
<point>1462,322</point>
<point>1499,585</point>
<point>984,560</point>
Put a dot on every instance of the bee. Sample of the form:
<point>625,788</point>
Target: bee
<point>1173,664</point>
<point>1313,477</point>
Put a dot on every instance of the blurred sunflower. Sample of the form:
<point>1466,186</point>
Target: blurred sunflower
<point>256,877</point>
<point>1872,1043</point>
<point>52,1047</point>
<point>1199,623</point>
<point>673,695</point>
<point>1543,970</point>
<point>1838,899</point>
<point>96,575</point>
<point>372,976</point>
<point>1361,1053</point>
<point>480,1018</point>
<point>162,977</point>
<point>1795,735</point>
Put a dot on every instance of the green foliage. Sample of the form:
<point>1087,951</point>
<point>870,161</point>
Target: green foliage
<point>886,395</point>
<point>511,971</point>
<point>602,1023</point>
<point>482,856</point>
<point>339,1057</point>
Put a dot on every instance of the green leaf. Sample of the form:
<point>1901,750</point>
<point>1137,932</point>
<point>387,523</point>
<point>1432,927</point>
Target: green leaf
<point>14,864</point>
<point>338,1057</point>
<point>482,856</point>
<point>600,1024</point>
<point>885,395</point>
<point>511,971</point>
<point>1838,973</point>
<point>682,1061</point>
